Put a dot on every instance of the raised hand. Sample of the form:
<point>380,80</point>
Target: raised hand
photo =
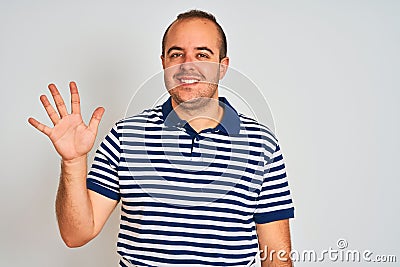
<point>71,137</point>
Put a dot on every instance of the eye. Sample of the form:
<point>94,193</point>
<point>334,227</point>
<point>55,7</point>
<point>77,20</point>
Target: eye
<point>175,55</point>
<point>203,55</point>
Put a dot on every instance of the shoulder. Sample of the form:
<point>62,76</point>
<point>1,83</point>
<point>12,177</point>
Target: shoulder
<point>251,126</point>
<point>148,116</point>
<point>258,132</point>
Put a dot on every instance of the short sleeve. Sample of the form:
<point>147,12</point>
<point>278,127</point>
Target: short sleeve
<point>274,201</point>
<point>103,174</point>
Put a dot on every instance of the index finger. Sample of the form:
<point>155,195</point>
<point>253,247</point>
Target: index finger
<point>75,99</point>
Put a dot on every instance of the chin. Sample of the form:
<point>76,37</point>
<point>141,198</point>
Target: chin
<point>192,95</point>
<point>194,103</point>
<point>187,99</point>
<point>183,94</point>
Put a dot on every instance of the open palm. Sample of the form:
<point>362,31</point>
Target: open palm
<point>71,137</point>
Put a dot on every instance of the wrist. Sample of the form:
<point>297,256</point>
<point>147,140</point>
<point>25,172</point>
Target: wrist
<point>74,161</point>
<point>73,169</point>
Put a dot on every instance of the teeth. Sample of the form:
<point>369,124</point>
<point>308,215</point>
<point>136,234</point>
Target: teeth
<point>189,81</point>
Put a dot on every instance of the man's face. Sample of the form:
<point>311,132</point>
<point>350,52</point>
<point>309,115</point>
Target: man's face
<point>191,62</point>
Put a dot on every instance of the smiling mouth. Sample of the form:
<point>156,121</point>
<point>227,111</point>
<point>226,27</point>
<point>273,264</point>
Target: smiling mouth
<point>188,81</point>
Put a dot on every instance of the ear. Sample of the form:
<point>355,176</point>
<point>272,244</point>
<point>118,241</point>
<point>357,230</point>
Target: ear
<point>163,61</point>
<point>223,67</point>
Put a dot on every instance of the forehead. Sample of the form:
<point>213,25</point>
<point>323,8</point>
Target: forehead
<point>194,31</point>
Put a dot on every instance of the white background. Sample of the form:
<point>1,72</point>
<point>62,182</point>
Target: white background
<point>328,69</point>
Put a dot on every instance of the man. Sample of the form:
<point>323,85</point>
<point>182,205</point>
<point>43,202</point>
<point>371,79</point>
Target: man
<point>200,185</point>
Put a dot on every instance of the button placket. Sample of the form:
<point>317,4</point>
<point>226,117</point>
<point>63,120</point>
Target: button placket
<point>196,151</point>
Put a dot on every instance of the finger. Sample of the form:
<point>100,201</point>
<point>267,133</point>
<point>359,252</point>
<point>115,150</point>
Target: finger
<point>95,120</point>
<point>75,99</point>
<point>62,109</point>
<point>49,109</point>
<point>41,127</point>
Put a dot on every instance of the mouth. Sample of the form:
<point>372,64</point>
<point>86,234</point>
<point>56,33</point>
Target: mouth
<point>188,80</point>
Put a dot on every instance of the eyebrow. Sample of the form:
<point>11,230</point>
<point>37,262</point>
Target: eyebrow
<point>197,48</point>
<point>205,48</point>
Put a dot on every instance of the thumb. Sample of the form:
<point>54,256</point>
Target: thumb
<point>96,117</point>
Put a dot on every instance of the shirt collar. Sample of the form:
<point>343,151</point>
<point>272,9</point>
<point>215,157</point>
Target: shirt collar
<point>230,123</point>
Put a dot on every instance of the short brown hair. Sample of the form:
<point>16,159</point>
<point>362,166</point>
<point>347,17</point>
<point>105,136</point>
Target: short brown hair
<point>199,14</point>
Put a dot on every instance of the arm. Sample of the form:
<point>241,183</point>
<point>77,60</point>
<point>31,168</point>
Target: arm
<point>81,213</point>
<point>274,237</point>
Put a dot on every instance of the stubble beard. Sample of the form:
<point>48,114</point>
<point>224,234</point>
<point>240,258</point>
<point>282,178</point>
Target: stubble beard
<point>200,102</point>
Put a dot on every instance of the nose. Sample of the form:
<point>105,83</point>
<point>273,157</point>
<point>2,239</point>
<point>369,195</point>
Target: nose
<point>188,63</point>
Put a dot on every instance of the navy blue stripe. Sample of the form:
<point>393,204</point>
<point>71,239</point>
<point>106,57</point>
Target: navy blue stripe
<point>155,136</point>
<point>230,184</point>
<point>188,163</point>
<point>144,143</point>
<point>268,148</point>
<point>190,216</point>
<point>277,177</point>
<point>145,127</point>
<point>108,150</point>
<point>266,133</point>
<point>231,160</point>
<point>134,119</point>
<point>122,264</point>
<point>94,186</point>
<point>106,170</point>
<point>275,195</point>
<point>135,263</point>
<point>274,216</point>
<point>278,158</point>
<point>229,142</point>
<point>154,144</point>
<point>100,157</point>
<point>194,180</point>
<point>274,204</point>
<point>96,174</point>
<point>194,199</point>
<point>227,149</point>
<point>154,115</point>
<point>275,186</point>
<point>163,205</point>
<point>188,188</point>
<point>111,141</point>
<point>193,226</point>
<point>276,168</point>
<point>173,153</point>
<point>246,160</point>
<point>160,170</point>
<point>258,136</point>
<point>141,118</point>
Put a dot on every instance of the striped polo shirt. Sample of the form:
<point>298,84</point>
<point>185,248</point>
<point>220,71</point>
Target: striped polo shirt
<point>188,198</point>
